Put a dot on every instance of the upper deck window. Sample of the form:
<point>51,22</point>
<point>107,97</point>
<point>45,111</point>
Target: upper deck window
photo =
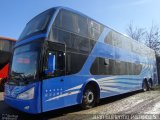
<point>38,24</point>
<point>72,22</point>
<point>66,20</point>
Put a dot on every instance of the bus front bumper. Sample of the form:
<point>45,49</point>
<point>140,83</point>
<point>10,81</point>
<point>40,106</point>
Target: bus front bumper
<point>24,98</point>
<point>28,106</point>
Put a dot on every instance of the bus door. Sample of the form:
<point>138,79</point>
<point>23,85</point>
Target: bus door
<point>53,84</point>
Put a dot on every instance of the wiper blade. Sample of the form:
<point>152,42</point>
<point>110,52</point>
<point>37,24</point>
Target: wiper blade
<point>21,77</point>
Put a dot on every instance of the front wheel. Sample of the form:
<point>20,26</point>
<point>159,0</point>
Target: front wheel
<point>89,98</point>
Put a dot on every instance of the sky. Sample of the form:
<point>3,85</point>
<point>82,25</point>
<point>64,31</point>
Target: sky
<point>116,14</point>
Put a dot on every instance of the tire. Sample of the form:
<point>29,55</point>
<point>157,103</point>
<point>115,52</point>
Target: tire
<point>150,84</point>
<point>145,86</point>
<point>89,98</point>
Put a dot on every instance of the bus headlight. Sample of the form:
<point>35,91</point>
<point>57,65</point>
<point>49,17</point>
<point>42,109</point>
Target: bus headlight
<point>27,95</point>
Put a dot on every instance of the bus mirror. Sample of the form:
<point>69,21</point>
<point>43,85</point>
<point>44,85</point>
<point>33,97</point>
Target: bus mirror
<point>51,64</point>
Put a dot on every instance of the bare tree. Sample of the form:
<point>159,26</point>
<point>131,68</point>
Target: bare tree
<point>135,32</point>
<point>152,38</point>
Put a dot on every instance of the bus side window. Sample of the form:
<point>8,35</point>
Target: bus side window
<point>55,64</point>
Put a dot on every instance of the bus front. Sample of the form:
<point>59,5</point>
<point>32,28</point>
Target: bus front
<point>23,88</point>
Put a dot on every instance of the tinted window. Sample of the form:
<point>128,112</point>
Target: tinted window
<point>38,24</point>
<point>103,66</point>
<point>74,62</point>
<point>95,67</point>
<point>95,29</point>
<point>92,44</point>
<point>60,36</point>
<point>72,22</point>
<point>66,20</point>
<point>73,42</point>
<point>64,37</point>
<point>78,43</point>
<point>59,64</point>
<point>82,26</point>
<point>78,24</point>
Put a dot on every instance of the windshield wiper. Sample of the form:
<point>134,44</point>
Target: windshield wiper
<point>21,77</point>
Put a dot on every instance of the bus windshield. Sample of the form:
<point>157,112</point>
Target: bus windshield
<point>25,63</point>
<point>37,24</point>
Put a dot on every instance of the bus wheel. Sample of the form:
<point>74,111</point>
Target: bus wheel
<point>89,98</point>
<point>150,84</point>
<point>145,86</point>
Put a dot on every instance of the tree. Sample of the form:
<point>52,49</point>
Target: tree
<point>135,32</point>
<point>152,38</point>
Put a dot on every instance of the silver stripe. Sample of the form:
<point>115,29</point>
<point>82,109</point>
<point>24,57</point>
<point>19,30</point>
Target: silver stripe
<point>119,85</point>
<point>113,89</point>
<point>118,80</point>
<point>74,88</point>
<point>63,95</point>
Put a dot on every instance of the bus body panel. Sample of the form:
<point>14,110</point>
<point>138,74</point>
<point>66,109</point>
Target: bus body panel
<point>61,92</point>
<point>30,106</point>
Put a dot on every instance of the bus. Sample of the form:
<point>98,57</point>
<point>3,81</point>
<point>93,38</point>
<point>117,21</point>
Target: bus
<point>64,58</point>
<point>6,47</point>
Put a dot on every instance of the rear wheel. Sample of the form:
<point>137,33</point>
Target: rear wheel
<point>89,98</point>
<point>145,86</point>
<point>150,84</point>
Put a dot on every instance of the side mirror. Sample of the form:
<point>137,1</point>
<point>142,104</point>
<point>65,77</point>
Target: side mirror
<point>51,64</point>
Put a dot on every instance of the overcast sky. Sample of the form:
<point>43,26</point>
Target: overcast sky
<point>117,14</point>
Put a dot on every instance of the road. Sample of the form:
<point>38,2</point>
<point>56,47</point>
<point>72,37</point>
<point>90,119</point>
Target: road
<point>135,103</point>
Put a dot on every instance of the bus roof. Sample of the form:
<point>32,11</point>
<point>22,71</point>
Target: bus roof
<point>6,38</point>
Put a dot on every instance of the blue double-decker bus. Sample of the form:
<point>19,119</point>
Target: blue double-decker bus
<point>64,58</point>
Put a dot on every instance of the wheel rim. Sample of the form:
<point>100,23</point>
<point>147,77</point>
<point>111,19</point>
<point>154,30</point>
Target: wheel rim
<point>89,97</point>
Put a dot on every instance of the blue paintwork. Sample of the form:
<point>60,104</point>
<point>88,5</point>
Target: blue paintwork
<point>36,37</point>
<point>57,94</point>
<point>11,93</point>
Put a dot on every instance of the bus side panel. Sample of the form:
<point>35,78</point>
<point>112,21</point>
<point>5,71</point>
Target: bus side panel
<point>115,85</point>
<point>61,92</point>
<point>50,89</point>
